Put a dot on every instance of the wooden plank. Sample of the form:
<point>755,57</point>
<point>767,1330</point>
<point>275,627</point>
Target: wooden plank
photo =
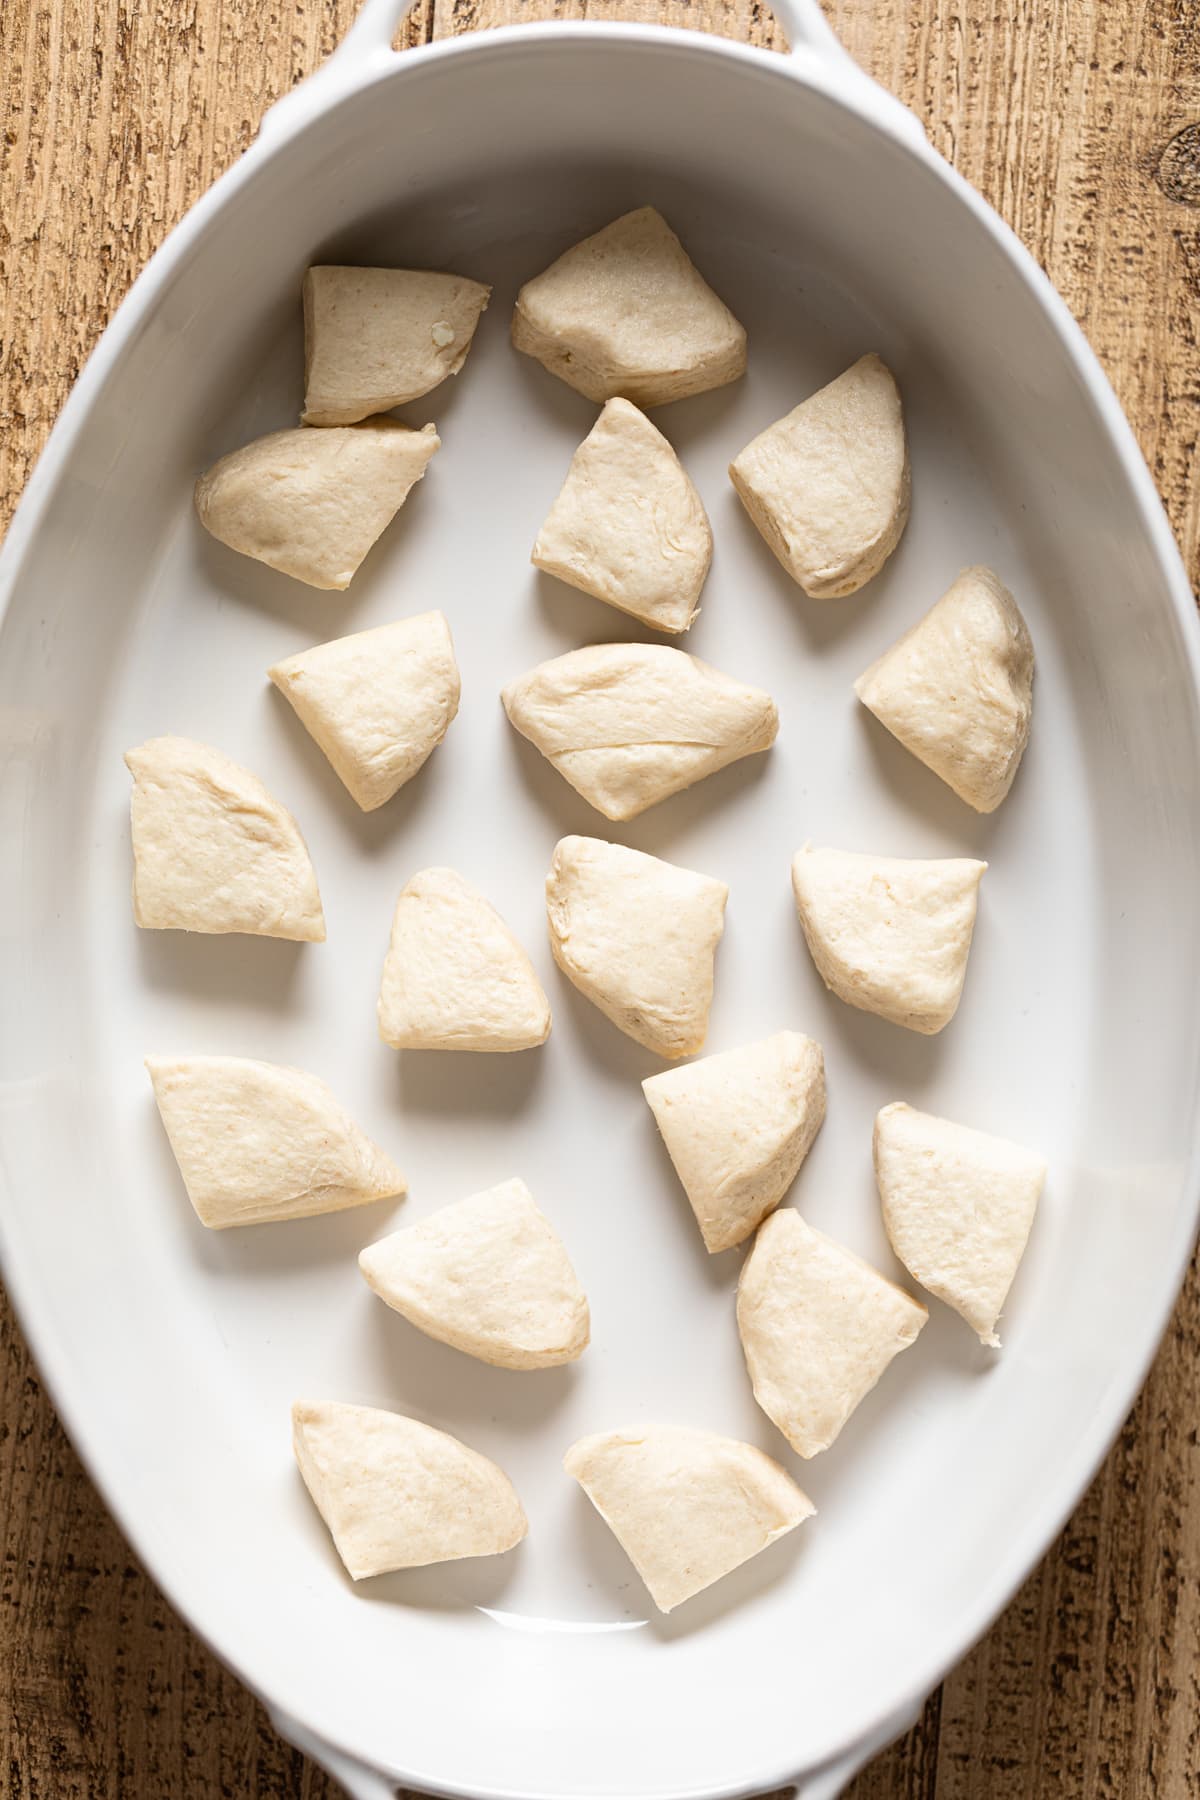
<point>117,115</point>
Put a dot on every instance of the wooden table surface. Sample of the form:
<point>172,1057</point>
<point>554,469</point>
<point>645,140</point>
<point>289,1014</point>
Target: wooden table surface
<point>1080,121</point>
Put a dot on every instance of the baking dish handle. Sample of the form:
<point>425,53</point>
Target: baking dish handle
<point>368,43</point>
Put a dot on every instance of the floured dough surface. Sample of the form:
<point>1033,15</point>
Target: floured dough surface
<point>626,312</point>
<point>488,1275</point>
<point>687,1507</point>
<point>630,724</point>
<point>378,703</point>
<point>455,977</point>
<point>637,936</point>
<point>374,338</point>
<point>958,1206</point>
<point>397,1494</point>
<point>818,1326</point>
<point>889,935</point>
<point>312,502</point>
<point>957,690</point>
<point>258,1142</point>
<point>213,851</point>
<point>628,526</point>
<point>737,1127</point>
<point>828,485</point>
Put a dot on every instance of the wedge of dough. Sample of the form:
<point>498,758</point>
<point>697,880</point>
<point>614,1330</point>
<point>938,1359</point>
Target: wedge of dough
<point>488,1275</point>
<point>378,703</point>
<point>637,937</point>
<point>375,338</point>
<point>626,312</point>
<point>213,851</point>
<point>455,977</point>
<point>737,1127</point>
<point>889,936</point>
<point>687,1507</point>
<point>828,485</point>
<point>958,1206</point>
<point>818,1328</point>
<point>628,526</point>
<point>397,1494</point>
<point>957,690</point>
<point>630,724</point>
<point>257,1142</point>
<point>311,503</point>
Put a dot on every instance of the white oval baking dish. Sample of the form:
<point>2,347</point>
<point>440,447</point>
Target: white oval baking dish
<point>814,203</point>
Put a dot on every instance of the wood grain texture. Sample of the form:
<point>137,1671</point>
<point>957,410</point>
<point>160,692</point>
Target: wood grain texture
<point>1080,121</point>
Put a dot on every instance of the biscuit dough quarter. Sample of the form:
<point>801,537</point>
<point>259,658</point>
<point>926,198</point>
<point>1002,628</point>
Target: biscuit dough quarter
<point>455,977</point>
<point>628,526</point>
<point>312,502</point>
<point>958,1206</point>
<point>378,703</point>
<point>687,1507</point>
<point>828,485</point>
<point>257,1142</point>
<point>488,1275</point>
<point>889,936</point>
<point>737,1127</point>
<point>213,851</point>
<point>626,312</point>
<point>397,1494</point>
<point>375,338</point>
<point>818,1328</point>
<point>957,690</point>
<point>629,725</point>
<point>637,937</point>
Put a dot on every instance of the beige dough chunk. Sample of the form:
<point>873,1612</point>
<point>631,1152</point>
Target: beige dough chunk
<point>957,690</point>
<point>627,313</point>
<point>687,1507</point>
<point>311,503</point>
<point>628,526</point>
<point>213,850</point>
<point>958,1206</point>
<point>891,937</point>
<point>455,977</point>
<point>818,1328</point>
<point>257,1142</point>
<point>737,1127</point>
<point>630,724</point>
<point>374,338</point>
<point>397,1494</point>
<point>489,1276</point>
<point>637,937</point>
<point>828,485</point>
<point>377,703</point>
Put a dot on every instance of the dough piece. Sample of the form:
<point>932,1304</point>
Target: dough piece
<point>455,977</point>
<point>626,312</point>
<point>687,1507</point>
<point>637,937</point>
<point>311,503</point>
<point>397,1494</point>
<point>213,850</point>
<point>958,1206</point>
<point>891,937</point>
<point>828,485</point>
<point>488,1275</point>
<point>377,703</point>
<point>628,526</point>
<point>257,1142</point>
<point>374,338</point>
<point>957,690</point>
<point>818,1328</point>
<point>630,724</point>
<point>737,1127</point>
